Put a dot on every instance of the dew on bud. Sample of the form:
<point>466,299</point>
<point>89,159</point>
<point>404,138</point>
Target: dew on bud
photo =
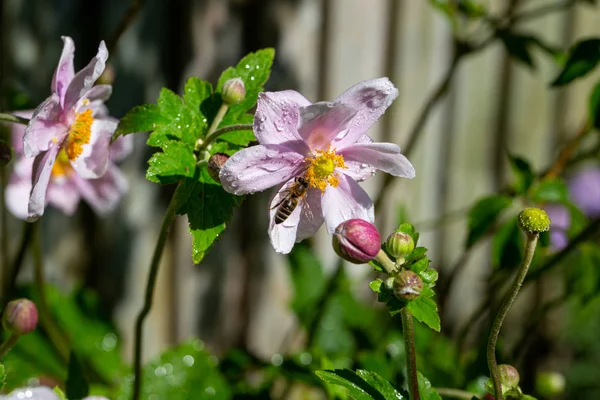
<point>215,163</point>
<point>20,317</point>
<point>399,245</point>
<point>234,91</point>
<point>407,285</point>
<point>357,241</point>
<point>534,220</point>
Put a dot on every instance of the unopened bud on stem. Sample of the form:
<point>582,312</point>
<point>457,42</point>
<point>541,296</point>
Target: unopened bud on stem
<point>509,376</point>
<point>234,91</point>
<point>215,163</point>
<point>357,241</point>
<point>407,285</point>
<point>20,317</point>
<point>399,245</point>
<point>534,220</point>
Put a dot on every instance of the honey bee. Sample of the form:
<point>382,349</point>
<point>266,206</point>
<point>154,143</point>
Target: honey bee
<point>290,201</point>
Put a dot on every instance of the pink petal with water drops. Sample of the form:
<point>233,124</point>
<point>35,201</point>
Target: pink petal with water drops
<point>311,217</point>
<point>283,235</point>
<point>320,123</point>
<point>44,128</point>
<point>63,75</point>
<point>370,99</point>
<point>85,79</point>
<point>383,156</point>
<point>276,117</point>
<point>258,168</point>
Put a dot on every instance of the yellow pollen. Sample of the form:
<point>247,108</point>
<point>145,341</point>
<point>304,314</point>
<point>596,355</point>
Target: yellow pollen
<point>79,134</point>
<point>321,169</point>
<point>62,166</point>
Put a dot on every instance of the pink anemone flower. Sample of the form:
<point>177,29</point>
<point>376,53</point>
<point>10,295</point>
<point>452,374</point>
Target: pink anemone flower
<point>65,187</point>
<point>324,143</point>
<point>69,128</point>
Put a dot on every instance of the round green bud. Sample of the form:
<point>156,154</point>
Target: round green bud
<point>534,220</point>
<point>234,91</point>
<point>399,244</point>
<point>509,376</point>
<point>550,384</point>
<point>407,285</point>
<point>20,317</point>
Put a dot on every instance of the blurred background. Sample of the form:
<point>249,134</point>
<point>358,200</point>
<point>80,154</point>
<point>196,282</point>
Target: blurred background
<point>460,111</point>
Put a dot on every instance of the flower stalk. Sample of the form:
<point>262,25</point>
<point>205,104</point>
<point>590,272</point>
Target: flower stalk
<point>8,344</point>
<point>386,263</point>
<point>212,136</point>
<point>408,332</point>
<point>150,285</point>
<point>532,238</point>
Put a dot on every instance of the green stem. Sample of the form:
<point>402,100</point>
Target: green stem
<point>507,303</point>
<point>455,393</point>
<point>202,144</point>
<point>152,275</point>
<point>45,315</point>
<point>13,118</point>
<point>408,332</point>
<point>386,263</point>
<point>10,275</point>
<point>8,344</point>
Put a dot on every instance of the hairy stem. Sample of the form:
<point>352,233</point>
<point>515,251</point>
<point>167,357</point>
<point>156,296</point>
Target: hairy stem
<point>13,118</point>
<point>8,344</point>
<point>506,304</point>
<point>10,275</point>
<point>386,263</point>
<point>55,335</point>
<point>408,332</point>
<point>152,275</point>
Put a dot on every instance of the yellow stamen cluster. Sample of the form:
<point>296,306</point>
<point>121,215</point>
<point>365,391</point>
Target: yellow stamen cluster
<point>79,134</point>
<point>62,165</point>
<point>321,169</point>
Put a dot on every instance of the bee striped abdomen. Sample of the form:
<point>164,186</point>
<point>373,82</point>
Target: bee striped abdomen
<point>285,210</point>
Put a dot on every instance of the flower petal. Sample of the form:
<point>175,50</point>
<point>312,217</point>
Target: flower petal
<point>97,94</point>
<point>42,170</point>
<point>370,99</point>
<point>346,201</point>
<point>93,161</point>
<point>64,70</point>
<point>276,117</point>
<point>311,218</point>
<point>358,171</point>
<point>44,128</point>
<point>104,193</point>
<point>19,187</point>
<point>64,195</point>
<point>283,235</point>
<point>258,168</point>
<point>320,123</point>
<point>32,393</point>
<point>383,156</point>
<point>84,79</point>
<point>121,148</point>
<point>17,131</point>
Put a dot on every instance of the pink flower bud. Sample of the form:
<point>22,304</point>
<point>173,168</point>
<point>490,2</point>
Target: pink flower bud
<point>234,91</point>
<point>509,376</point>
<point>357,241</point>
<point>215,162</point>
<point>20,317</point>
<point>407,285</point>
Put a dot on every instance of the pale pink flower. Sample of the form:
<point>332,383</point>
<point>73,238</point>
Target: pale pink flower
<point>65,187</point>
<point>326,143</point>
<point>40,393</point>
<point>70,127</point>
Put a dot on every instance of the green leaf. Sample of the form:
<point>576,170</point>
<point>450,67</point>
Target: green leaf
<point>386,295</point>
<point>583,58</point>
<point>550,191</point>
<point>483,215</point>
<point>594,107</point>
<point>425,390</point>
<point>408,228</point>
<point>254,70</point>
<point>309,282</point>
<point>420,265</point>
<point>77,386</point>
<point>517,46</point>
<point>424,309</point>
<point>142,118</point>
<point>195,92</point>
<point>2,376</point>
<point>362,385</point>
<point>524,175</point>
<point>184,372</point>
<point>175,162</point>
<point>208,208</point>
